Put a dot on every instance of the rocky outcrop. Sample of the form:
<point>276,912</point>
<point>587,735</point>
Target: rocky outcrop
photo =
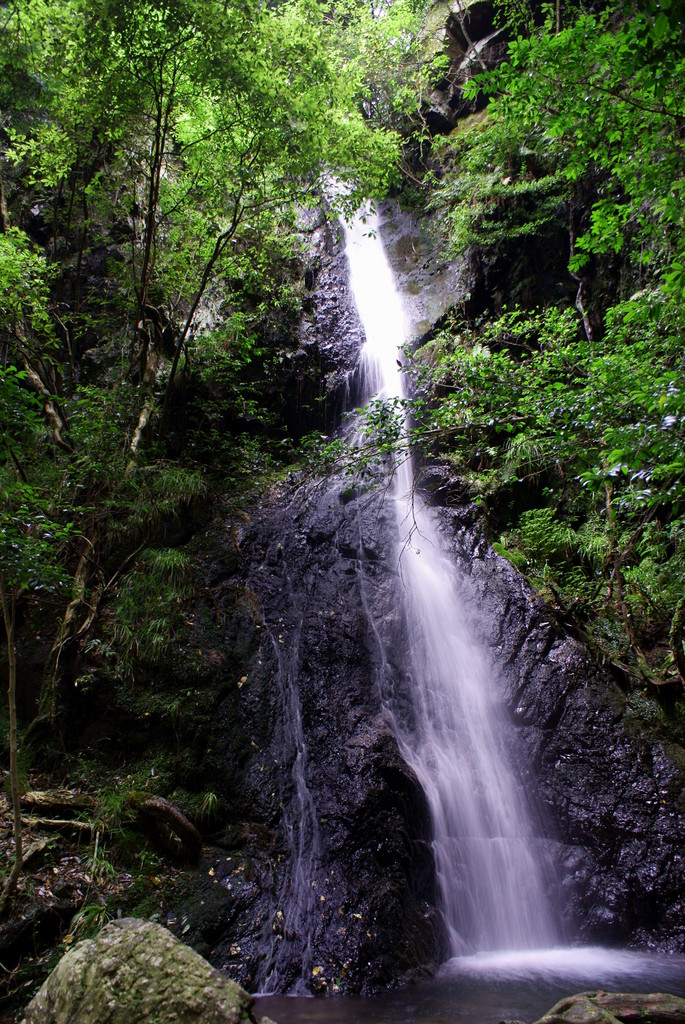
<point>613,793</point>
<point>329,885</point>
<point>345,898</point>
<point>466,33</point>
<point>332,885</point>
<point>330,326</point>
<point>136,971</point>
<point>334,889</point>
<point>430,282</point>
<point>612,1007</point>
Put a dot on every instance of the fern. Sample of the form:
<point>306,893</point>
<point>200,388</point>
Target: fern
<point>543,536</point>
<point>168,565</point>
<point>148,616</point>
<point>530,453</point>
<point>177,482</point>
<point>592,542</point>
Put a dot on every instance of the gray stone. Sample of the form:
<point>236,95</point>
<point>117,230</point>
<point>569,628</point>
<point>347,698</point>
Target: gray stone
<point>430,283</point>
<point>364,914</point>
<point>136,972</point>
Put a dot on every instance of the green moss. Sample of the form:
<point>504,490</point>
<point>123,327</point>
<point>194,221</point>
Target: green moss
<point>515,555</point>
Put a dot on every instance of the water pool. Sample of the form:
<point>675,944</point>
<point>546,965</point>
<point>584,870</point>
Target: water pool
<point>491,987</point>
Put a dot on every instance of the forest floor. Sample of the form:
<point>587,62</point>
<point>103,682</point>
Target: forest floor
<point>68,890</point>
<point>57,880</point>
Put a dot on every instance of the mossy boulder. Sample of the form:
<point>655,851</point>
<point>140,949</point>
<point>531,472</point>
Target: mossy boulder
<point>136,972</point>
<point>617,1008</point>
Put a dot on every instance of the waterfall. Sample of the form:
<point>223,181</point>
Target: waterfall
<point>491,879</point>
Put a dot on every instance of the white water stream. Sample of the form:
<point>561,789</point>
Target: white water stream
<point>492,882</point>
<point>507,960</point>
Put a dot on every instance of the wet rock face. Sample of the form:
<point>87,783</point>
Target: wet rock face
<point>430,283</point>
<point>345,894</point>
<point>613,796</point>
<point>326,882</point>
<point>334,889</point>
<point>467,34</point>
<point>330,325</point>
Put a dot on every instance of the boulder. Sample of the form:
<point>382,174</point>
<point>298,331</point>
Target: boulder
<point>614,1007</point>
<point>136,972</point>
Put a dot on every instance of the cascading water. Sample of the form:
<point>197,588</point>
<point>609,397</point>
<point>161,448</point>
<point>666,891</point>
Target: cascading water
<point>492,883</point>
<point>506,955</point>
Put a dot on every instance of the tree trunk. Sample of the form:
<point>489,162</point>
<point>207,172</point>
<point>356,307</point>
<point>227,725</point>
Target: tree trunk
<point>676,638</point>
<point>165,107</point>
<point>9,616</point>
<point>472,51</point>
<point>54,417</point>
<point>168,826</point>
<point>58,801</point>
<point>219,247</point>
<point>4,217</point>
<point>589,334</point>
<point>141,427</point>
<point>66,633</point>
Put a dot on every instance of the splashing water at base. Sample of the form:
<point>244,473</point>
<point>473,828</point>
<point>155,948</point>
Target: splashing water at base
<point>582,965</point>
<point>488,987</point>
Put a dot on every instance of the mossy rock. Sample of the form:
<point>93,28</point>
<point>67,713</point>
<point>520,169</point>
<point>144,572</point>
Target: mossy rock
<point>136,971</point>
<point>617,1008</point>
<point>513,555</point>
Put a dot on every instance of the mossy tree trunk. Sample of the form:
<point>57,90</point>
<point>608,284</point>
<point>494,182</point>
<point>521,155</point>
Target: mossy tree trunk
<point>676,638</point>
<point>67,631</point>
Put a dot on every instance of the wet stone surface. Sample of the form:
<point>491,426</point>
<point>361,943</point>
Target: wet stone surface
<point>340,890</point>
<point>341,894</point>
<point>337,891</point>
<point>612,795</point>
<point>362,882</point>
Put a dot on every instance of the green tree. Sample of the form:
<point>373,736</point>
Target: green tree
<point>188,130</point>
<point>31,556</point>
<point>604,98</point>
<point>196,119</point>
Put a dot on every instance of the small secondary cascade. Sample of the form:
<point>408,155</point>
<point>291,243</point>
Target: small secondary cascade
<point>291,934</point>
<point>492,882</point>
